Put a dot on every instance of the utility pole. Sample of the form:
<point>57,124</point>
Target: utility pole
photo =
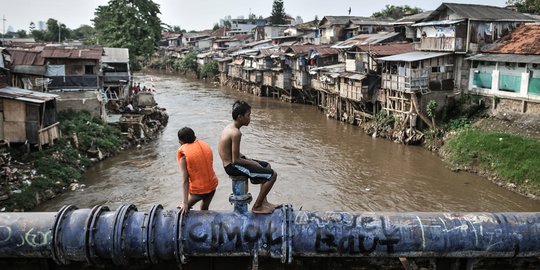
<point>3,29</point>
<point>59,28</point>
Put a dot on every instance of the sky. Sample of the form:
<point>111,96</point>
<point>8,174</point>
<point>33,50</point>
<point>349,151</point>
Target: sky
<point>201,14</point>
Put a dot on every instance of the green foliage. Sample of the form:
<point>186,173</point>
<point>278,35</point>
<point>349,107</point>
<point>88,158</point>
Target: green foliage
<point>91,131</point>
<point>216,27</point>
<point>278,12</point>
<point>209,69</point>
<point>431,108</point>
<point>129,24</point>
<point>188,63</point>
<point>384,119</point>
<point>397,12</point>
<point>526,6</point>
<point>55,32</point>
<point>515,158</point>
<point>85,33</point>
<point>458,124</point>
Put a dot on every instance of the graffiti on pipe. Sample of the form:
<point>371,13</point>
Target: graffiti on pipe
<point>353,235</point>
<point>219,233</point>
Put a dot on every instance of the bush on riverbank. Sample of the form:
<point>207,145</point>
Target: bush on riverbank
<point>63,163</point>
<point>511,158</point>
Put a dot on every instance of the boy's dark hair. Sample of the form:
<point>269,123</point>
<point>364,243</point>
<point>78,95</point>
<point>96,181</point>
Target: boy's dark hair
<point>240,107</point>
<point>186,135</point>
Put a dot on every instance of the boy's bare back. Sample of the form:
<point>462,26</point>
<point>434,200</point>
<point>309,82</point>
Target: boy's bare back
<point>229,136</point>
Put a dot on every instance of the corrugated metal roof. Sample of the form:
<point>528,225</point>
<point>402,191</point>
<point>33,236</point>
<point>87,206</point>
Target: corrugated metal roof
<point>333,20</point>
<point>480,12</point>
<point>115,55</point>
<point>94,53</point>
<point>25,95</point>
<point>444,22</point>
<point>365,39</point>
<point>524,40</point>
<point>412,56</point>
<point>353,76</point>
<point>414,18</point>
<point>387,49</point>
<point>337,68</point>
<point>26,57</point>
<point>511,58</point>
<point>371,21</point>
<point>304,49</point>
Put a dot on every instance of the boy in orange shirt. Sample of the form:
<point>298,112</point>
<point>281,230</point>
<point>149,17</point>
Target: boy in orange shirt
<point>196,164</point>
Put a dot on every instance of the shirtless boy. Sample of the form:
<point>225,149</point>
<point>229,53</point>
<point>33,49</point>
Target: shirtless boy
<point>236,164</point>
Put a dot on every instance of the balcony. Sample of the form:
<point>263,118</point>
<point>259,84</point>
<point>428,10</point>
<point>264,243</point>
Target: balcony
<point>414,80</point>
<point>444,44</point>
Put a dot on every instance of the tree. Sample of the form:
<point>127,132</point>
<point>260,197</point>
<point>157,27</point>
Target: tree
<point>396,12</point>
<point>21,33</point>
<point>86,33</point>
<point>32,27</point>
<point>216,27</point>
<point>278,12</point>
<point>132,24</point>
<point>525,6</point>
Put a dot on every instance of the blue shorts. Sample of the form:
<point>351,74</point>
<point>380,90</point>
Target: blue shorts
<point>256,174</point>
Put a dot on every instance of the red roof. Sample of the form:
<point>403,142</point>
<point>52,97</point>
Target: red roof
<point>73,52</point>
<point>388,49</point>
<point>524,40</point>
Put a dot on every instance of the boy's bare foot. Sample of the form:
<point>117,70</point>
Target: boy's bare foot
<point>263,209</point>
<point>271,205</point>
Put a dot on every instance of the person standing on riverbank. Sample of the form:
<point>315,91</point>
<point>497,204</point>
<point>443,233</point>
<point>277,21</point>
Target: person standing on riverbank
<point>236,164</point>
<point>196,165</point>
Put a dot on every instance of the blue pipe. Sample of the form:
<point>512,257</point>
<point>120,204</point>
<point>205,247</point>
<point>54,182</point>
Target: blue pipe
<point>127,236</point>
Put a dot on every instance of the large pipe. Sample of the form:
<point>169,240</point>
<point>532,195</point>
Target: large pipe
<point>126,236</point>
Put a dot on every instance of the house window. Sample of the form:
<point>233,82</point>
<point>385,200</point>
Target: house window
<point>88,70</point>
<point>435,69</point>
<point>522,65</point>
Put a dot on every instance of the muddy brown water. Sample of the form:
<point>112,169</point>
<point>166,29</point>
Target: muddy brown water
<point>323,164</point>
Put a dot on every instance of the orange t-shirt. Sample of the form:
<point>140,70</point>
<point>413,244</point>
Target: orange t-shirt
<point>199,162</point>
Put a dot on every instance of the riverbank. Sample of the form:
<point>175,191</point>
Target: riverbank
<point>31,177</point>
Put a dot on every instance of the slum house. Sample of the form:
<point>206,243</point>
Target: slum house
<point>300,58</point>
<point>116,73</point>
<point>223,69</point>
<point>190,39</point>
<point>367,25</point>
<point>28,117</point>
<point>5,65</point>
<point>239,70</point>
<point>359,84</point>
<point>411,80</point>
<point>510,72</point>
<point>307,32</point>
<point>325,82</point>
<point>28,69</point>
<point>365,39</point>
<point>404,25</point>
<point>75,74</point>
<point>332,28</point>
<point>464,29</point>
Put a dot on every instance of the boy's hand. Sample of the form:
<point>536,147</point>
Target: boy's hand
<point>184,209</point>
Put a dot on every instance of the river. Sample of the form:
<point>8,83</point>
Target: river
<point>323,164</point>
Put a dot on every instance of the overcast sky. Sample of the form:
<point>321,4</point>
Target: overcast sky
<point>201,14</point>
